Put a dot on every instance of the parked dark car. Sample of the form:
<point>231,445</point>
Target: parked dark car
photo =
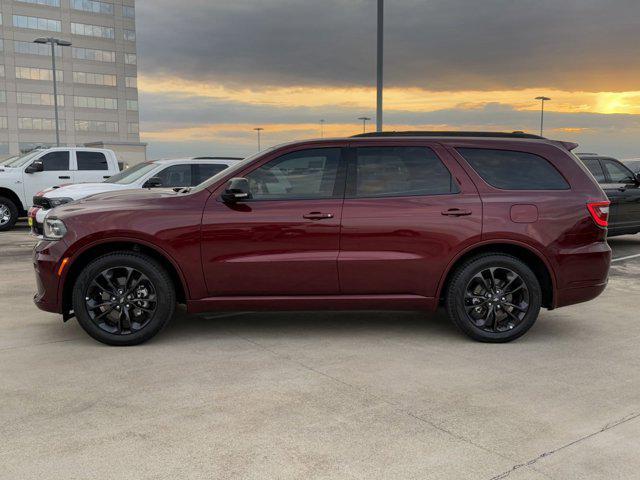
<point>622,187</point>
<point>492,226</point>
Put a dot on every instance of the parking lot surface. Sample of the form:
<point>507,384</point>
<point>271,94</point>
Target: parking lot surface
<point>321,394</point>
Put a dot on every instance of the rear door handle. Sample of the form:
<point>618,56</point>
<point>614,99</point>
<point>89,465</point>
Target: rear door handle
<point>456,212</point>
<point>317,216</point>
<point>64,177</point>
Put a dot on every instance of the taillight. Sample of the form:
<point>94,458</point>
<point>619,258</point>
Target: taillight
<point>599,212</point>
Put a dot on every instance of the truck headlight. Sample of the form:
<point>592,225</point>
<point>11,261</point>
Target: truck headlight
<point>56,202</point>
<point>54,229</point>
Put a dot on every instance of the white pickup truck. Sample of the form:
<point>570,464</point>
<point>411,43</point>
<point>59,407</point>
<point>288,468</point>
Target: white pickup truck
<point>23,176</point>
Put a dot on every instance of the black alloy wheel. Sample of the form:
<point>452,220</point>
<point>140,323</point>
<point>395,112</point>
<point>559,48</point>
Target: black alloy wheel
<point>123,298</point>
<point>494,297</point>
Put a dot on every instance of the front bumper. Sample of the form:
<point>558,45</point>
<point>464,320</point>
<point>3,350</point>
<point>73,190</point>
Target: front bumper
<point>47,258</point>
<point>36,217</point>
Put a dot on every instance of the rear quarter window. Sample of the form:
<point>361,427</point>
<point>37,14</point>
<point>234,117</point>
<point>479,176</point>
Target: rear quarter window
<point>513,170</point>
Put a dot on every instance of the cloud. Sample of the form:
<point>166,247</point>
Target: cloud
<point>587,45</point>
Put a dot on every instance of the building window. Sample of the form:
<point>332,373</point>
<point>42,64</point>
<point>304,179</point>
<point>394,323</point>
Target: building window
<point>4,148</point>
<point>48,3</point>
<point>30,123</point>
<point>3,96</point>
<point>4,123</point>
<point>131,82</point>
<point>88,78</point>
<point>94,55</point>
<point>96,102</point>
<point>129,12</point>
<point>1,70</point>
<point>45,99</point>
<point>30,48</point>
<point>92,6</point>
<point>133,128</point>
<point>96,126</point>
<point>130,59</point>
<point>97,31</point>
<point>37,23</point>
<point>132,105</point>
<point>33,73</point>
<point>129,35</point>
<point>1,45</point>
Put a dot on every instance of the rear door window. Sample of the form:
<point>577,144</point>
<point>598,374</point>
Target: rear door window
<point>593,164</point>
<point>399,172</point>
<point>91,161</point>
<point>204,171</point>
<point>512,170</point>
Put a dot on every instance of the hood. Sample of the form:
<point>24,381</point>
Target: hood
<point>116,201</point>
<point>82,190</point>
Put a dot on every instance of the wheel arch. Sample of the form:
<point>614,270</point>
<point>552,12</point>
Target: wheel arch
<point>13,196</point>
<point>96,250</point>
<point>532,257</point>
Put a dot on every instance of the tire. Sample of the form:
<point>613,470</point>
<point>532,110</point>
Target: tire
<point>141,308</point>
<point>470,309</point>
<point>8,214</point>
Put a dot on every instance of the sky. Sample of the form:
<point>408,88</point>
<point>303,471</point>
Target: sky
<point>210,71</point>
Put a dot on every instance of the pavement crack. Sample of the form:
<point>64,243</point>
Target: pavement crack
<point>396,406</point>
<point>608,426</point>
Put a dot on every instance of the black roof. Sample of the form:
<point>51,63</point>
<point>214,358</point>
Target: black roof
<point>448,134</point>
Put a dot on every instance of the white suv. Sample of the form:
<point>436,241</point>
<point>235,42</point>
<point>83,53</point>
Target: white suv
<point>22,176</point>
<point>177,173</point>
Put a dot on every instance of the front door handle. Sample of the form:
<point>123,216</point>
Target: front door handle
<point>456,212</point>
<point>317,216</point>
<point>64,177</point>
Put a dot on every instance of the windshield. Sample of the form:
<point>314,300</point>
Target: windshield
<point>236,167</point>
<point>18,161</point>
<point>132,174</point>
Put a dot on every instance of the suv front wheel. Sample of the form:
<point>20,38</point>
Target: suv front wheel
<point>494,298</point>
<point>123,298</point>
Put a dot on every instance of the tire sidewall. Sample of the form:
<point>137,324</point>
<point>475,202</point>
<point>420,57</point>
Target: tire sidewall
<point>455,300</point>
<point>165,295</point>
<point>14,213</point>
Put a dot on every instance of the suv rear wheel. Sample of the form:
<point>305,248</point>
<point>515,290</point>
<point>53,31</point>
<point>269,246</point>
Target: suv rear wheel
<point>494,298</point>
<point>123,298</point>
<point>8,214</point>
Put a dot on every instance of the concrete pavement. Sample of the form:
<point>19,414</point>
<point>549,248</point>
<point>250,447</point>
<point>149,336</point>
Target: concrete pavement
<point>321,395</point>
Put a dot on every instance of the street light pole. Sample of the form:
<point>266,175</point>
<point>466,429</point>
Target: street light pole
<point>380,63</point>
<point>259,129</point>
<point>62,43</point>
<point>364,123</point>
<point>322,128</point>
<point>542,100</point>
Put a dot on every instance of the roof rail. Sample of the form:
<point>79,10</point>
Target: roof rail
<point>448,134</point>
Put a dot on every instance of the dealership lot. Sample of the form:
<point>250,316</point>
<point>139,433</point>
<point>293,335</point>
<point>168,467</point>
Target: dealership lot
<point>321,395</point>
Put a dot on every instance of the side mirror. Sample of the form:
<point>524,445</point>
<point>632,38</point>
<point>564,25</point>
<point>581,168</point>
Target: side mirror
<point>237,191</point>
<point>153,182</point>
<point>35,167</point>
<point>638,178</point>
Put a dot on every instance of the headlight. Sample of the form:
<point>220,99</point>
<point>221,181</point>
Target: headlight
<point>54,229</point>
<point>56,202</point>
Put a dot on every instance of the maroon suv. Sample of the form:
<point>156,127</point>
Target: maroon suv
<point>492,226</point>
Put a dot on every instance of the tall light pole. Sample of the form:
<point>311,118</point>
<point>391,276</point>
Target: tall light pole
<point>542,100</point>
<point>62,43</point>
<point>364,123</point>
<point>321,128</point>
<point>380,63</point>
<point>259,129</point>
